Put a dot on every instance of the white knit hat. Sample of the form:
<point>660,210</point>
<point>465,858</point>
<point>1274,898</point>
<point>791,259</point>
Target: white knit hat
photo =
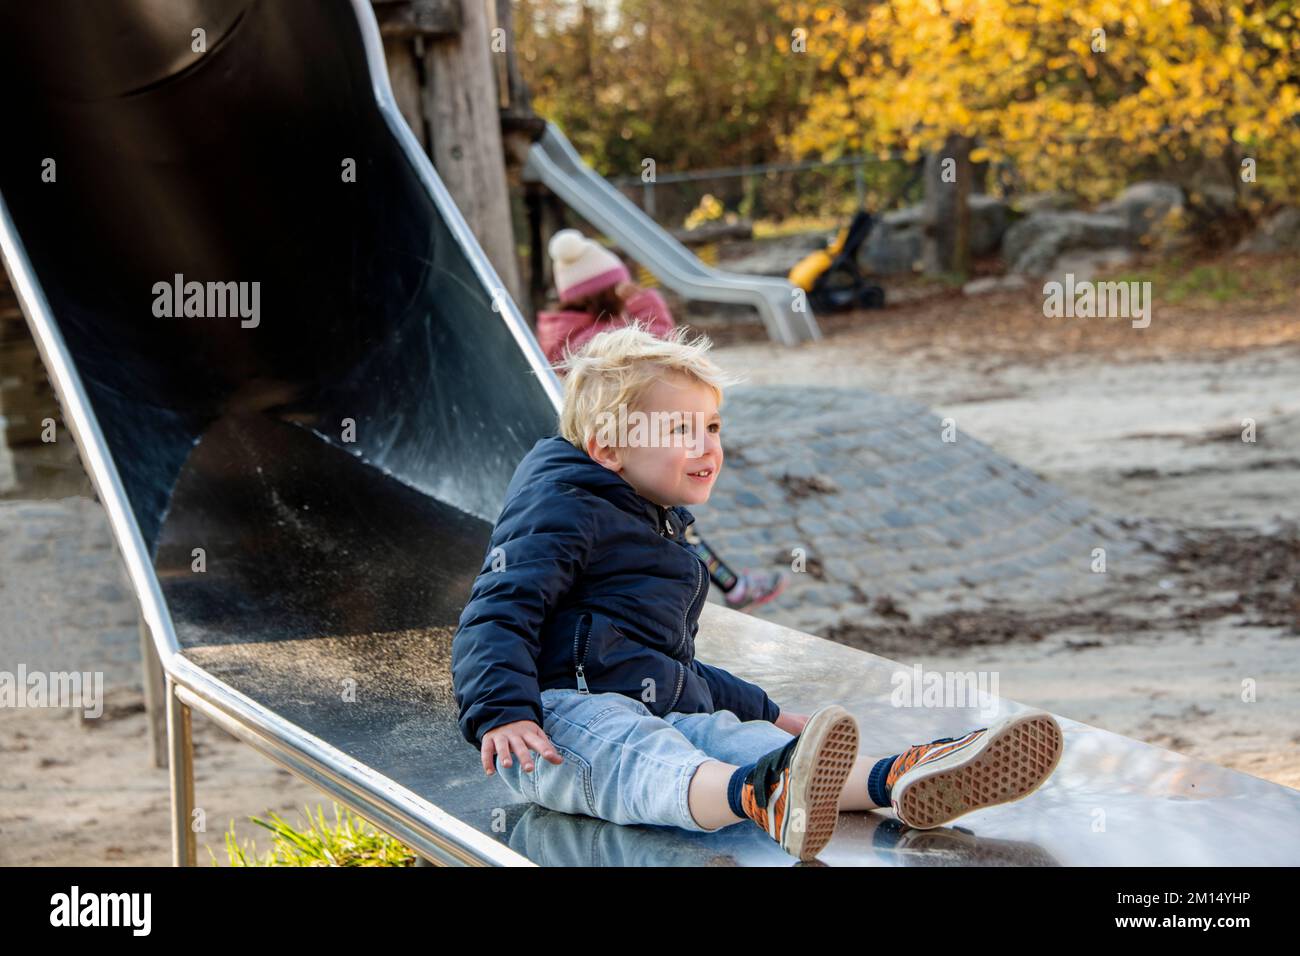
<point>582,267</point>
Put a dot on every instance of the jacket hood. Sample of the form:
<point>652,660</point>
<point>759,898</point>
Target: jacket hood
<point>557,459</point>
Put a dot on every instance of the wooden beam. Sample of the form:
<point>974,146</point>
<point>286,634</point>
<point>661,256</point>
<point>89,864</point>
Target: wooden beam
<point>418,18</point>
<point>460,104</point>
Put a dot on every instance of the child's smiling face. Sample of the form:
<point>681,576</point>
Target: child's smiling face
<point>682,439</point>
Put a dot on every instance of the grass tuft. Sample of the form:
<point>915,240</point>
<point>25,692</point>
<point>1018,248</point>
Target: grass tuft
<point>349,841</point>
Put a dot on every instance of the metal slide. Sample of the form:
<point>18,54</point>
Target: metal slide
<point>265,546</point>
<point>302,491</point>
<point>553,161</point>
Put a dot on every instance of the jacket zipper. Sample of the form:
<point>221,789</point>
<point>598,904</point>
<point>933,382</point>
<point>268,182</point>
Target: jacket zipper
<point>667,530</point>
<point>686,626</point>
<point>681,683</point>
<point>580,663</point>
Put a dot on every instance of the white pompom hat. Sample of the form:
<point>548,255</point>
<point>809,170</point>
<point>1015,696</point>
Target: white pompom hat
<point>583,267</point>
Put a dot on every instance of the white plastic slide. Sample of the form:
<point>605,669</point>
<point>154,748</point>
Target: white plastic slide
<point>554,162</point>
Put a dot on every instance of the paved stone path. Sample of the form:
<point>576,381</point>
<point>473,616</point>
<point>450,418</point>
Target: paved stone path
<point>880,505</point>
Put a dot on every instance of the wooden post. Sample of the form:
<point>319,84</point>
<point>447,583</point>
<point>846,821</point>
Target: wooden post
<point>406,26</point>
<point>461,105</point>
<point>444,81</point>
<point>520,128</point>
<point>533,204</point>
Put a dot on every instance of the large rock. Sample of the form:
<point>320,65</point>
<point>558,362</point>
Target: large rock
<point>1044,202</point>
<point>1158,214</point>
<point>987,284</point>
<point>896,238</point>
<point>1214,200</point>
<point>894,244</point>
<point>1151,215</point>
<point>1278,233</point>
<point>1032,245</point>
<point>988,223</point>
<point>1087,264</point>
<point>1146,206</point>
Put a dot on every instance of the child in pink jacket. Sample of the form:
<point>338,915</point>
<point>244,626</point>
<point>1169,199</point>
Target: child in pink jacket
<point>596,294</point>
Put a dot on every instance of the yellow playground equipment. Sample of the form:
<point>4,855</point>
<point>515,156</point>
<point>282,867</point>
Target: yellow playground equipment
<point>832,277</point>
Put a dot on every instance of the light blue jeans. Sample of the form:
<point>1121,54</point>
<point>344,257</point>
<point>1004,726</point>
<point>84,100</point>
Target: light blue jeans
<point>624,764</point>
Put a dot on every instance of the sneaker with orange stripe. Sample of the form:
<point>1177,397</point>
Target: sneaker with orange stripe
<point>931,784</point>
<point>794,793</point>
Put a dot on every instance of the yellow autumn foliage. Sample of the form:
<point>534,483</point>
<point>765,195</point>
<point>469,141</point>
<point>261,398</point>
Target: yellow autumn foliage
<point>1076,94</point>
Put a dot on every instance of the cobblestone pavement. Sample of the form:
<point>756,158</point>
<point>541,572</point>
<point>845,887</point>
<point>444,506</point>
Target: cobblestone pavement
<point>879,504</point>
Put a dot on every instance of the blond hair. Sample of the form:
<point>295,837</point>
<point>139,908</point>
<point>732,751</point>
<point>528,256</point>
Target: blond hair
<point>617,367</point>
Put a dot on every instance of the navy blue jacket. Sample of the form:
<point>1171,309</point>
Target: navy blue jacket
<point>594,589</point>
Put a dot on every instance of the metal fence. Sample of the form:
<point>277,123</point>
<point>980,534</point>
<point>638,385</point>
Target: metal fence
<point>776,191</point>
<point>835,189</point>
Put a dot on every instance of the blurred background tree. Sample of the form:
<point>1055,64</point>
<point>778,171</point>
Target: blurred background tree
<point>691,83</point>
<point>1080,95</point>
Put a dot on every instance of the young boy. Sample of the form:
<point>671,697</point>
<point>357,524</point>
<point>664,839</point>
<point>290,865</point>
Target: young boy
<point>578,641</point>
<point>597,295</point>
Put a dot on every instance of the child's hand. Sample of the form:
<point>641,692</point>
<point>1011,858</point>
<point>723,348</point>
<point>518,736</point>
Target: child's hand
<point>520,737</point>
<point>625,290</point>
<point>791,723</point>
